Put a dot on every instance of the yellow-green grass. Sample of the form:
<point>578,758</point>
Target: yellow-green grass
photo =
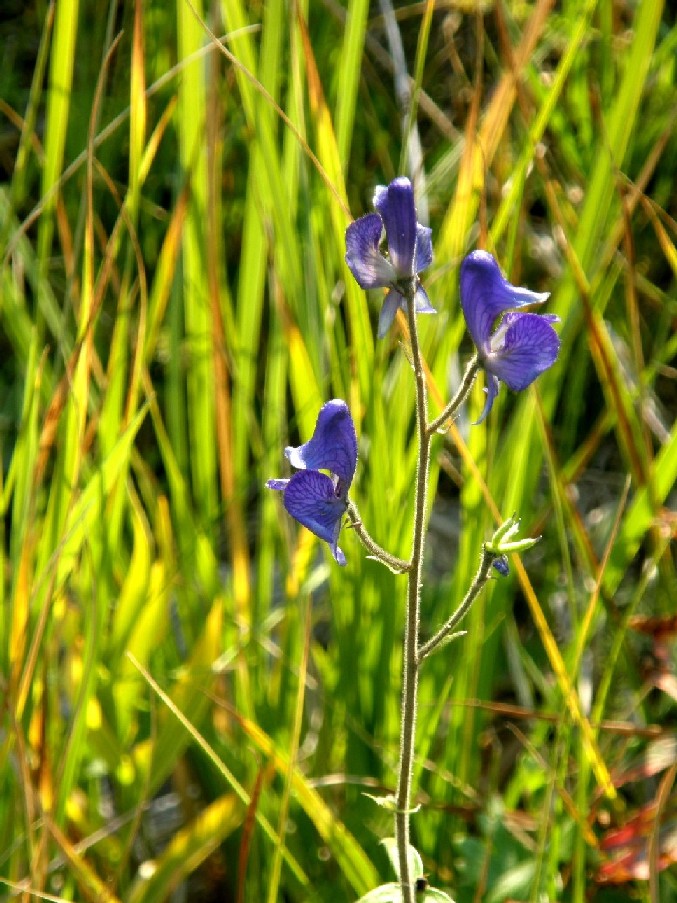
<point>175,307</point>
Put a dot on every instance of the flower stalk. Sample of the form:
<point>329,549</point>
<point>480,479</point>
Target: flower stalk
<point>493,557</point>
<point>395,564</point>
<point>411,659</point>
<point>439,424</point>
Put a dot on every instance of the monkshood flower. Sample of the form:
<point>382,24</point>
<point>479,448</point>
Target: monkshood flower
<point>313,498</point>
<point>501,565</point>
<point>523,345</point>
<point>410,251</point>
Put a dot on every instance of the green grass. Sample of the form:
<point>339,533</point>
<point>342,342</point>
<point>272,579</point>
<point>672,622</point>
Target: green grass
<point>174,309</point>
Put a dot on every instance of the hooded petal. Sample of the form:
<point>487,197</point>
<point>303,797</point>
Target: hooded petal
<point>369,267</point>
<point>486,293</point>
<point>424,247</point>
<point>523,347</point>
<point>333,445</point>
<point>396,206</point>
<point>393,300</point>
<point>311,499</point>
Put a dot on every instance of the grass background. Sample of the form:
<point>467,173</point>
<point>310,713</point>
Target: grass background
<point>195,699</point>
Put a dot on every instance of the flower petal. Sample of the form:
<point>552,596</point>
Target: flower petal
<point>424,247</point>
<point>311,499</point>
<point>393,300</point>
<point>486,293</point>
<point>396,206</point>
<point>276,484</point>
<point>333,445</point>
<point>529,346</point>
<point>422,303</point>
<point>367,264</point>
<point>491,389</point>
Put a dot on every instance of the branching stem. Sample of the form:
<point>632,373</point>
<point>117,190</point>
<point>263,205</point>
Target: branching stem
<point>481,579</point>
<point>397,565</point>
<point>449,413</point>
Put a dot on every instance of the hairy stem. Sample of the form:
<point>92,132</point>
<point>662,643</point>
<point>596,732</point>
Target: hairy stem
<point>480,580</point>
<point>397,565</point>
<point>410,652</point>
<point>452,408</point>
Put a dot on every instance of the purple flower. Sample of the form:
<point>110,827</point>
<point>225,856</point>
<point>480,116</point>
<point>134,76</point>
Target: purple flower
<point>523,345</point>
<point>410,251</point>
<point>501,565</point>
<point>311,497</point>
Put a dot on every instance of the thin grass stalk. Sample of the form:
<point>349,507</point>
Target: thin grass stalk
<point>62,58</point>
<point>199,375</point>
<point>19,176</point>
<point>348,76</point>
<point>304,624</point>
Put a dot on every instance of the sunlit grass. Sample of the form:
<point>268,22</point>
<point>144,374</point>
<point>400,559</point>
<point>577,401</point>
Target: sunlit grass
<point>176,307</point>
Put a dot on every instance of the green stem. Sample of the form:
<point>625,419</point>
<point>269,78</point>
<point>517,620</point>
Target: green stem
<point>410,652</point>
<point>397,565</point>
<point>482,577</point>
<point>452,408</point>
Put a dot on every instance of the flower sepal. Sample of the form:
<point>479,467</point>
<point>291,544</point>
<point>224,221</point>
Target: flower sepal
<point>409,251</point>
<point>316,500</point>
<point>523,345</point>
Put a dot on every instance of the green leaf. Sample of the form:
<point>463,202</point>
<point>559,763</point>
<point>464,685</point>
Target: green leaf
<point>385,893</point>
<point>415,861</point>
<point>432,893</point>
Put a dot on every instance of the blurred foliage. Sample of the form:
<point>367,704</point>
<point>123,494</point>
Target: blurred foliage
<point>195,699</point>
